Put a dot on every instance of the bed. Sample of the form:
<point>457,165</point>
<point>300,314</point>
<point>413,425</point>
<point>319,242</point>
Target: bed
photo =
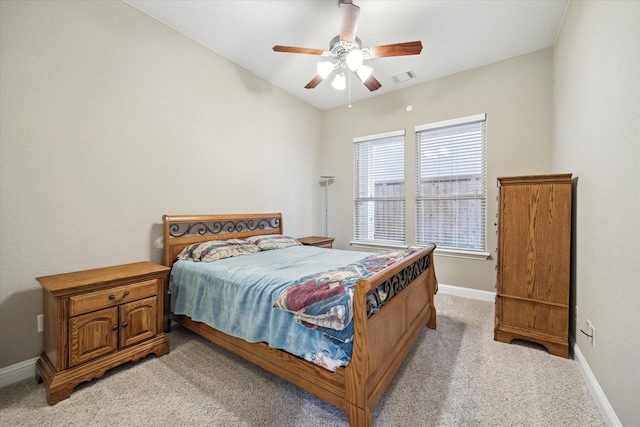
<point>382,333</point>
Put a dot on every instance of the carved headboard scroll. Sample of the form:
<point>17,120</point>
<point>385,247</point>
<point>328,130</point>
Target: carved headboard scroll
<point>180,231</point>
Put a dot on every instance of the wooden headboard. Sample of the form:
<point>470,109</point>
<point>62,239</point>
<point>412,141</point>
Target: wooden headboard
<point>180,231</point>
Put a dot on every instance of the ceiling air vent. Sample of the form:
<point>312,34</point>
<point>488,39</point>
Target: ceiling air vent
<point>403,77</point>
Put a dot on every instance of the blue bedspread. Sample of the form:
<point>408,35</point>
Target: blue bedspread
<point>236,296</point>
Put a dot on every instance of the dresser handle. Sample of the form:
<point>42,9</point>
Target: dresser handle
<point>125,324</point>
<point>113,297</point>
<point>114,328</point>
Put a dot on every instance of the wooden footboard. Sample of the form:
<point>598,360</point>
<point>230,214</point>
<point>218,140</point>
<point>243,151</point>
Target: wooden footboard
<point>381,340</point>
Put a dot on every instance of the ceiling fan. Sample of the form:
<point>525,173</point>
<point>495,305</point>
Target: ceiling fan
<point>347,54</point>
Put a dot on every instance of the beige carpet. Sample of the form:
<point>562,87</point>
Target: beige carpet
<point>455,376</point>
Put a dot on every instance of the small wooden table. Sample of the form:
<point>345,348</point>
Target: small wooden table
<point>97,319</point>
<point>321,242</point>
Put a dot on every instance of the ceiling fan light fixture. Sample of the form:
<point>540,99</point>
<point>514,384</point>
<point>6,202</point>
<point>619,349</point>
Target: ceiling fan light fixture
<point>364,73</point>
<point>347,54</point>
<point>325,68</point>
<point>339,82</point>
<point>354,59</point>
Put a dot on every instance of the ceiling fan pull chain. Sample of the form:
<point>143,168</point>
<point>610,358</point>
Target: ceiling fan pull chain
<point>349,83</point>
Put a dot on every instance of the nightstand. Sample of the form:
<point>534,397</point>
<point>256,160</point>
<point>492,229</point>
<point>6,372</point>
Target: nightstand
<point>321,242</point>
<point>97,319</point>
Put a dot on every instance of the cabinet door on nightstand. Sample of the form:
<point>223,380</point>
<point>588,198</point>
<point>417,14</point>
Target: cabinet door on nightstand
<point>138,321</point>
<point>92,335</point>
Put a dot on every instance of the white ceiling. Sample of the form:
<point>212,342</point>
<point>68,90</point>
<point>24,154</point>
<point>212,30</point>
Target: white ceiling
<point>456,36</point>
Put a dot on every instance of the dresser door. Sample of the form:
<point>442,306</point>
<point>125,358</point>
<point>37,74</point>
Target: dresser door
<point>92,335</point>
<point>138,321</point>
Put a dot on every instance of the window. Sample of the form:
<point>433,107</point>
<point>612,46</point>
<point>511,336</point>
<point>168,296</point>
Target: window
<point>451,184</point>
<point>379,189</point>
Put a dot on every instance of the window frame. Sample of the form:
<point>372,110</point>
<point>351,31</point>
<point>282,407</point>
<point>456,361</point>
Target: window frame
<point>452,250</point>
<point>358,199</point>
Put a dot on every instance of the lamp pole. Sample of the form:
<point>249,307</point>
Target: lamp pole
<point>326,178</point>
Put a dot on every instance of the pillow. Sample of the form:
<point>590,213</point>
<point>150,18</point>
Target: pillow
<point>272,241</point>
<point>217,249</point>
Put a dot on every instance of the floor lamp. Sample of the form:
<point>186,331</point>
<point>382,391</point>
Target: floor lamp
<point>326,178</point>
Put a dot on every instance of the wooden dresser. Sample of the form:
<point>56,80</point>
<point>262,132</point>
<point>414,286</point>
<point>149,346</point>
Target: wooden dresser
<point>97,319</point>
<point>534,244</point>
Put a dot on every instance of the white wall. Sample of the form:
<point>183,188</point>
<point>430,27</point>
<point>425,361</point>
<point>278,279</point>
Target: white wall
<point>597,137</point>
<point>110,119</point>
<point>516,95</point>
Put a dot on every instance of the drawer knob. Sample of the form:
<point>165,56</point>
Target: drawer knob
<point>114,328</point>
<point>125,324</point>
<point>112,297</point>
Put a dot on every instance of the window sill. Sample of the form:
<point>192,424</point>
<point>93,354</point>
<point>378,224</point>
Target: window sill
<point>376,246</point>
<point>459,253</point>
<point>453,253</point>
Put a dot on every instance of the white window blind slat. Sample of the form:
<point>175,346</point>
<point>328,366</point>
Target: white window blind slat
<point>451,183</point>
<point>379,193</point>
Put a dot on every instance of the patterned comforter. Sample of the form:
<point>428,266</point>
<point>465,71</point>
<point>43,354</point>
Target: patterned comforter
<point>324,301</point>
<point>278,297</point>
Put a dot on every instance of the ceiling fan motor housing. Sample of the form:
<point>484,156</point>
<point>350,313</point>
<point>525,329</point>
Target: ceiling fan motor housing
<point>338,47</point>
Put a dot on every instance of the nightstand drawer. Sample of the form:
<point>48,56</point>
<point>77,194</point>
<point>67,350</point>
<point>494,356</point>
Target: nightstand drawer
<point>86,303</point>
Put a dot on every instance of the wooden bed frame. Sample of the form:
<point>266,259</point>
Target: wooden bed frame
<point>381,341</point>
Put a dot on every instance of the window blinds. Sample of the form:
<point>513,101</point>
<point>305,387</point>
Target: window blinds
<point>379,214</point>
<point>451,183</point>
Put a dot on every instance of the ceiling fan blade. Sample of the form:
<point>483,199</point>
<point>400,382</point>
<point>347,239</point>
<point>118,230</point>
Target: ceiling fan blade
<point>398,49</point>
<point>314,82</point>
<point>291,49</point>
<point>350,13</point>
<point>372,83</point>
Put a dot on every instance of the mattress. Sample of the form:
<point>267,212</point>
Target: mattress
<point>237,296</point>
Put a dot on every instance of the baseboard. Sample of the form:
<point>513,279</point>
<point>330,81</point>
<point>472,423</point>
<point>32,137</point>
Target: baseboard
<point>459,291</point>
<point>18,372</point>
<point>607,412</point>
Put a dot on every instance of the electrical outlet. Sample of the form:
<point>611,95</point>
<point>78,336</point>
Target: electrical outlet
<point>40,322</point>
<point>591,333</point>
